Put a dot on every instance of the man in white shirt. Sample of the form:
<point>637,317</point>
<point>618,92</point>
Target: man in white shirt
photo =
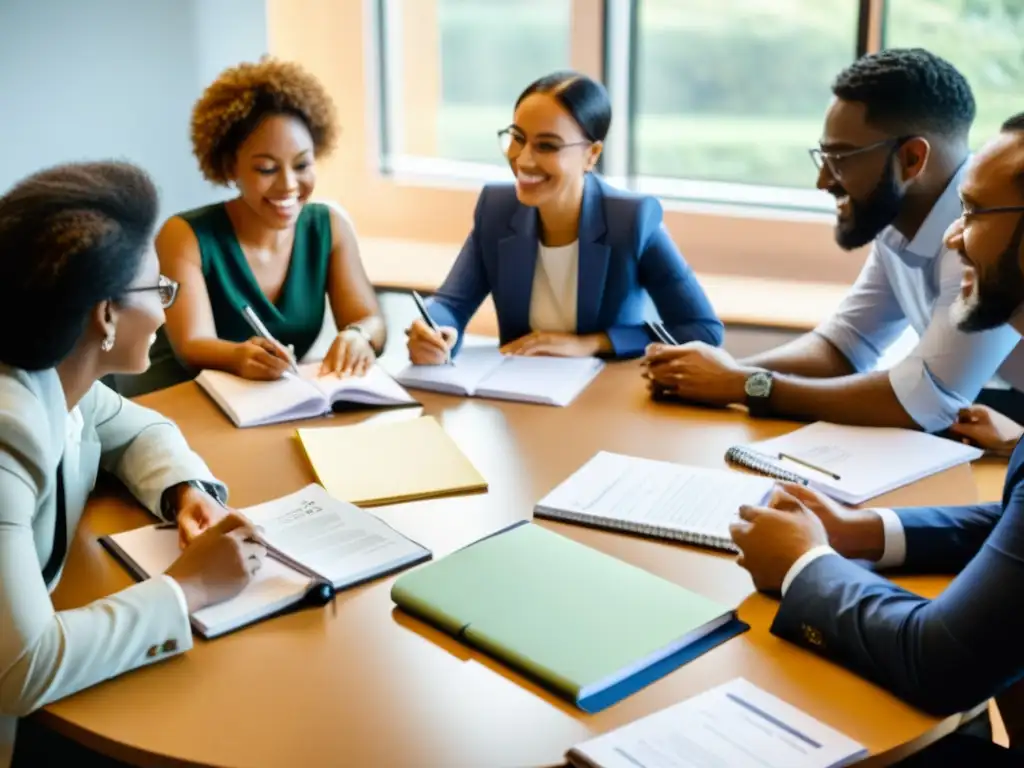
<point>892,152</point>
<point>952,653</point>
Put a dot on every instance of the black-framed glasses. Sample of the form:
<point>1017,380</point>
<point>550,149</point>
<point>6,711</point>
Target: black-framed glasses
<point>966,213</point>
<point>512,143</point>
<point>166,288</point>
<point>823,157</point>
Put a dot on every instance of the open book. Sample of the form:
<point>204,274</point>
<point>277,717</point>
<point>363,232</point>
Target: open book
<point>485,372</point>
<point>734,724</point>
<point>852,464</point>
<point>655,498</point>
<point>313,542</point>
<point>254,403</point>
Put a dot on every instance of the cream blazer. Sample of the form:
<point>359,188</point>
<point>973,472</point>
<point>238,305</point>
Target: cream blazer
<point>46,655</point>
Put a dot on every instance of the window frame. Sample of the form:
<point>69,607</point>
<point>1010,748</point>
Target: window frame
<point>338,42</point>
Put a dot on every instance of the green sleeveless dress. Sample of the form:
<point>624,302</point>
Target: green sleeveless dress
<point>295,318</point>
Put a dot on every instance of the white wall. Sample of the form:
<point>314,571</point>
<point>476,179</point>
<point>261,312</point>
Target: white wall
<point>98,79</point>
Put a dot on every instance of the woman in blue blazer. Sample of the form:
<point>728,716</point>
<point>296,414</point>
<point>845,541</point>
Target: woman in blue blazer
<point>575,265</point>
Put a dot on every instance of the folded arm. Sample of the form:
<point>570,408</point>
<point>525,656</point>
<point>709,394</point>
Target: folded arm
<point>144,449</point>
<point>944,655</point>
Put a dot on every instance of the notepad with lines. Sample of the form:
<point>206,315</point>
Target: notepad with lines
<point>655,498</point>
<point>852,464</point>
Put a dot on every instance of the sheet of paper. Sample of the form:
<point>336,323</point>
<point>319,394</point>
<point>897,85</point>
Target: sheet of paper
<point>334,538</point>
<point>736,724</point>
<point>471,366</point>
<point>552,380</point>
<point>658,493</point>
<point>868,460</point>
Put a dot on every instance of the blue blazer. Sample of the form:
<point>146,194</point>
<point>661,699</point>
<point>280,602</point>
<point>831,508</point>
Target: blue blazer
<point>626,259</point>
<point>944,655</point>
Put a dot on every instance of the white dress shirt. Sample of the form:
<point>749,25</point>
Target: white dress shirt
<point>913,283</point>
<point>555,284</point>
<point>894,550</point>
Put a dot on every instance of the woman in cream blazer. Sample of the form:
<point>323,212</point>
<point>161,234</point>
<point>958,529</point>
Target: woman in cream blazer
<point>81,293</point>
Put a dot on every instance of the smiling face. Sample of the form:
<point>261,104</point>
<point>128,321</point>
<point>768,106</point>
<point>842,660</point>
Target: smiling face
<point>275,170</point>
<point>860,171</point>
<point>548,152</point>
<point>989,241</point>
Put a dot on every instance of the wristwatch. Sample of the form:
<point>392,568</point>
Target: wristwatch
<point>169,509</point>
<point>758,389</point>
<point>362,332</point>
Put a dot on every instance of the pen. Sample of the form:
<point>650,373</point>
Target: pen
<point>661,333</point>
<point>320,592</point>
<point>261,330</point>
<point>808,464</point>
<point>422,307</point>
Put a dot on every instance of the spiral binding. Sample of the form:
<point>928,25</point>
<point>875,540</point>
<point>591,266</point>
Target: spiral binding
<point>759,462</point>
<point>653,531</point>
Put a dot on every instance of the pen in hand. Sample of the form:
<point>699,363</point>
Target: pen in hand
<point>261,330</point>
<point>422,307</point>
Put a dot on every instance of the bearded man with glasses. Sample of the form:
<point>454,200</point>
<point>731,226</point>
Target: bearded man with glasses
<point>893,151</point>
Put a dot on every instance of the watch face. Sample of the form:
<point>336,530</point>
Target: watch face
<point>758,385</point>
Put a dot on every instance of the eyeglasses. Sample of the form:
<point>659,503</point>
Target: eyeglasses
<point>512,142</point>
<point>165,287</point>
<point>966,213</point>
<point>822,157</point>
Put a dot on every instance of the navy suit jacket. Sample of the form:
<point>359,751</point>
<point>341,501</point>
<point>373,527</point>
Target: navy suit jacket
<point>626,259</point>
<point>944,655</point>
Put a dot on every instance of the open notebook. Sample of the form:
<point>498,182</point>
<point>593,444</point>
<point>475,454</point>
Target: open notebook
<point>313,540</point>
<point>655,498</point>
<point>254,403</point>
<point>485,372</point>
<point>852,464</point>
<point>733,724</point>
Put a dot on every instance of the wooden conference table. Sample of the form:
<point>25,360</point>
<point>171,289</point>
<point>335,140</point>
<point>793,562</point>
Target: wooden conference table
<point>367,686</point>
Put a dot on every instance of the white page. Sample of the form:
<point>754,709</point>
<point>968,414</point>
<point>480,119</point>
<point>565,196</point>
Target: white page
<point>870,461</point>
<point>548,380</point>
<point>736,725</point>
<point>333,538</point>
<point>658,493</point>
<point>154,548</point>
<point>375,387</point>
<point>252,403</point>
<point>471,365</point>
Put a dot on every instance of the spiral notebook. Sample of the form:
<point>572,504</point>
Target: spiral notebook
<point>655,498</point>
<point>852,464</point>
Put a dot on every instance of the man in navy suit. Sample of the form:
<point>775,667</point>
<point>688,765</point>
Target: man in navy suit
<point>952,653</point>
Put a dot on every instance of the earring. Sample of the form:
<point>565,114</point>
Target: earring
<point>108,342</point>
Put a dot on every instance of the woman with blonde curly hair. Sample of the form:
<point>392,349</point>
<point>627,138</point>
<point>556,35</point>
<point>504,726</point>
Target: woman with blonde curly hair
<point>261,127</point>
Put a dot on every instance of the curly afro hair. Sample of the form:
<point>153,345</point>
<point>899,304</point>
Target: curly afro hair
<point>909,91</point>
<point>234,105</point>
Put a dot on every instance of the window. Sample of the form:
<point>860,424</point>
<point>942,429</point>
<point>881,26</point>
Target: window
<point>735,90</point>
<point>453,70</point>
<point>714,101</point>
<point>984,39</point>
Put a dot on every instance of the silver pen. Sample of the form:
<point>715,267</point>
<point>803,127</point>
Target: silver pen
<point>261,330</point>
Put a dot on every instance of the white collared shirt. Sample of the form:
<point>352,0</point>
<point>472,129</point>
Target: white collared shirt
<point>913,284</point>
<point>555,283</point>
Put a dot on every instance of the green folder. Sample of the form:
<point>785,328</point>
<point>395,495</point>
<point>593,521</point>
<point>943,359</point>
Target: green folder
<point>586,625</point>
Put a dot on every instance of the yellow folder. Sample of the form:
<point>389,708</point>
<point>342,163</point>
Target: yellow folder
<point>386,463</point>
